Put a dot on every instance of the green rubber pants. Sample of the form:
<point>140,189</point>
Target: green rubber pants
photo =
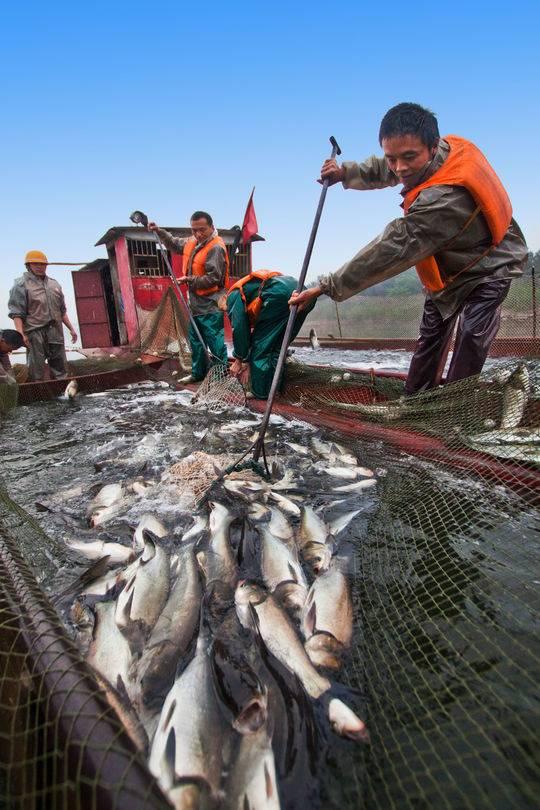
<point>268,333</point>
<point>211,329</point>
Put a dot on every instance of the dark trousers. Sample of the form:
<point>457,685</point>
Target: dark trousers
<point>479,318</point>
<point>211,329</point>
<point>41,350</point>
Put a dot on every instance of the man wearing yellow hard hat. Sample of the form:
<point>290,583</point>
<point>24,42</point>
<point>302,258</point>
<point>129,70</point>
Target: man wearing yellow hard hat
<point>37,307</point>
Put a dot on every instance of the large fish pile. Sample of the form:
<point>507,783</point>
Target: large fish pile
<point>218,649</point>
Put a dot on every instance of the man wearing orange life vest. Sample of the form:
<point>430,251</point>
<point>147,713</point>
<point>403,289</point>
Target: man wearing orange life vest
<point>206,269</point>
<point>258,309</point>
<point>457,229</point>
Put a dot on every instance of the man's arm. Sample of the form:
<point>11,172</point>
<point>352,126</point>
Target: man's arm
<point>430,224</point>
<point>72,331</point>
<point>18,309</point>
<point>173,243</point>
<point>241,332</point>
<point>214,271</point>
<point>370,174</point>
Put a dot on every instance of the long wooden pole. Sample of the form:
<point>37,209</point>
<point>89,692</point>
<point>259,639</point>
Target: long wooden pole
<point>258,446</point>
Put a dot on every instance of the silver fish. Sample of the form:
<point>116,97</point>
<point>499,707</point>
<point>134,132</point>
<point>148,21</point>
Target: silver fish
<point>72,389</point>
<point>247,490</point>
<point>315,541</point>
<point>174,629</point>
<point>281,571</point>
<point>298,448</point>
<point>278,634</point>
<point>340,523</point>
<point>116,553</point>
<point>200,524</point>
<point>515,397</point>
<point>109,651</point>
<point>357,486</point>
<point>327,619</point>
<point>107,496</point>
<point>252,782</point>
<point>288,506</point>
<point>349,473</point>
<point>191,742</point>
<point>151,522</point>
<point>313,340</point>
<point>141,601</point>
<point>279,526</point>
<point>258,512</point>
<point>220,560</point>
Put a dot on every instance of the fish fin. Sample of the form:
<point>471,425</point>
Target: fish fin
<point>169,758</point>
<point>93,572</point>
<point>293,573</point>
<point>246,805</point>
<point>268,781</point>
<point>241,552</point>
<point>121,689</point>
<point>311,619</point>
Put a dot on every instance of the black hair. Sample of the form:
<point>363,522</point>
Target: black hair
<point>202,215</point>
<point>410,119</point>
<point>12,338</point>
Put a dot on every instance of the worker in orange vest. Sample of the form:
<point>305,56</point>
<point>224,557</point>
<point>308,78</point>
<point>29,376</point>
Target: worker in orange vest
<point>206,273</point>
<point>258,310</point>
<point>457,230</point>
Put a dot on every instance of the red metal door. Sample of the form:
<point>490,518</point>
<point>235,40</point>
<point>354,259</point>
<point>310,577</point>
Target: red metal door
<point>91,309</point>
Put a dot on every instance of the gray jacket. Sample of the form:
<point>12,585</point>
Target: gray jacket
<point>214,275</point>
<point>435,217</point>
<point>39,302</point>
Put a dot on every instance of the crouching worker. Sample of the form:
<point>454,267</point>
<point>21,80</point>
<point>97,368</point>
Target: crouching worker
<point>10,341</point>
<point>258,309</point>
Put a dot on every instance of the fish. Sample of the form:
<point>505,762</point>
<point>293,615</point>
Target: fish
<point>252,782</point>
<point>220,560</point>
<point>116,552</point>
<point>287,481</point>
<point>357,486</point>
<point>247,490</point>
<point>200,524</point>
<point>327,619</point>
<point>105,505</point>
<point>109,651</point>
<point>384,412</point>
<point>340,523</point>
<point>281,571</point>
<point>83,619</point>
<point>235,661</point>
<point>119,701</point>
<point>278,634</point>
<point>140,486</point>
<point>258,511</point>
<point>288,506</point>
<point>72,389</point>
<point>298,448</point>
<point>140,603</point>
<point>259,610</point>
<point>322,448</point>
<point>315,541</point>
<point>515,396</point>
<point>173,631</point>
<point>314,343</point>
<point>279,526</point>
<point>150,522</point>
<point>348,473</point>
<point>192,742</point>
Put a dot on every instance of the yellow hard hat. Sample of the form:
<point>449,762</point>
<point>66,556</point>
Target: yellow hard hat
<point>35,257</point>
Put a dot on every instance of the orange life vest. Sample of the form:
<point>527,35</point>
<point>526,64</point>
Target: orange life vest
<point>465,166</point>
<point>196,266</point>
<point>254,308</point>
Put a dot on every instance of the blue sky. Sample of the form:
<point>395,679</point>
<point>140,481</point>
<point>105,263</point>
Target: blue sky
<point>170,107</point>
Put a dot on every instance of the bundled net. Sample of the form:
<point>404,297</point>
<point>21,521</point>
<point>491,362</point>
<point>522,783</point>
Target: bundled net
<point>220,390</point>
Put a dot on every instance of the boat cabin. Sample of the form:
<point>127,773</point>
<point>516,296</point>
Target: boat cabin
<point>114,296</point>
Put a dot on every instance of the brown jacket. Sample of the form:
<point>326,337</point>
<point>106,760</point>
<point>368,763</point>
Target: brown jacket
<point>435,217</point>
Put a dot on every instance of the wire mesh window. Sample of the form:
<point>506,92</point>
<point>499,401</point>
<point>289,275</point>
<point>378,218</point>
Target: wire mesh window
<point>145,258</point>
<point>241,264</point>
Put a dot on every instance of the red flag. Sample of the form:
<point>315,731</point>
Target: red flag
<point>249,226</point>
